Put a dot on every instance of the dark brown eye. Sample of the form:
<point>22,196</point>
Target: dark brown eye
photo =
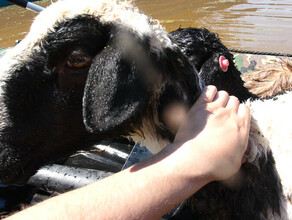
<point>78,59</point>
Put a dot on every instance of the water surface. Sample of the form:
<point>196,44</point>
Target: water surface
<point>264,25</point>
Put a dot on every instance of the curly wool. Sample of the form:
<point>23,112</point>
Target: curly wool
<point>271,79</point>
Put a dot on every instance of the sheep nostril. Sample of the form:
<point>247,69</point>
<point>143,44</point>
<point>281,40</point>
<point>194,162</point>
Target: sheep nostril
<point>224,63</point>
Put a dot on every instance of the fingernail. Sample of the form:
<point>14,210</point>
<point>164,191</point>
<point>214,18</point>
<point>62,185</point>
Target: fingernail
<point>210,90</point>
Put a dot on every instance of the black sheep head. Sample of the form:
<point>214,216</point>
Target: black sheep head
<point>206,51</point>
<point>85,72</point>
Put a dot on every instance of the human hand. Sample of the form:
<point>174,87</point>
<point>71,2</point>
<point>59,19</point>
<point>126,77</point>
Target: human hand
<point>216,132</point>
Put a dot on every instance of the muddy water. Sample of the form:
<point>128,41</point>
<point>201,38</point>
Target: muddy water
<point>264,25</point>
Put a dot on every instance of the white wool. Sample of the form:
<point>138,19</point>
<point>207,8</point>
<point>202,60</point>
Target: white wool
<point>271,127</point>
<point>109,11</point>
<point>121,13</point>
<point>271,119</point>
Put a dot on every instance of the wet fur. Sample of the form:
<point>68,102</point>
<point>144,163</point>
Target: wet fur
<point>49,109</point>
<point>203,48</point>
<point>257,192</point>
<point>44,118</point>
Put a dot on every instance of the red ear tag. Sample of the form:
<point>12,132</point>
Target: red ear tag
<point>224,63</point>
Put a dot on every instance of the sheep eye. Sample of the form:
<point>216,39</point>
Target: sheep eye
<point>78,59</point>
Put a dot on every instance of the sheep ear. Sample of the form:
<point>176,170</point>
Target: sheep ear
<point>113,91</point>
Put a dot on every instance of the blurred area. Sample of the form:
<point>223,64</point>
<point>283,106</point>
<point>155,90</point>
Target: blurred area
<point>242,24</point>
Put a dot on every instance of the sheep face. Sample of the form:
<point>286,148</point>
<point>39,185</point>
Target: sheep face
<point>89,72</point>
<point>205,50</point>
<point>257,185</point>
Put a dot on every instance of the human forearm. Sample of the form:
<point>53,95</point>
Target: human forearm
<point>200,153</point>
<point>145,191</point>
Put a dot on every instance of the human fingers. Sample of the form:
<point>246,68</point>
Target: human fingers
<point>194,121</point>
<point>207,95</point>
<point>244,112</point>
<point>233,103</point>
<point>221,99</point>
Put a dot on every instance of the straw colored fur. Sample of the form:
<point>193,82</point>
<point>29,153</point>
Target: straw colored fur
<point>271,79</point>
